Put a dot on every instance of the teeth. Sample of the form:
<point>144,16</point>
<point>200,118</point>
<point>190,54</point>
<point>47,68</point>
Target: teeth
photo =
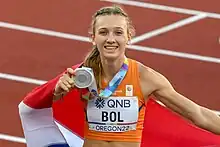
<point>110,47</point>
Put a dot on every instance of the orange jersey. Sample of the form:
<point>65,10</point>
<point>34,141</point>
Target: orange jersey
<point>132,81</point>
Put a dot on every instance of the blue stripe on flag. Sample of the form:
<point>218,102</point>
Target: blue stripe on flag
<point>59,145</point>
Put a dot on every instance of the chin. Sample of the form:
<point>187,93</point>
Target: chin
<point>110,56</point>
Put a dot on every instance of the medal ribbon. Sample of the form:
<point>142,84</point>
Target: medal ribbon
<point>113,84</point>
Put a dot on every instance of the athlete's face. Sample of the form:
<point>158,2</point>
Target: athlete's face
<point>111,36</point>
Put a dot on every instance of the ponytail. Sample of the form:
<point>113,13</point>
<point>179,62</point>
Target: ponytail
<point>93,61</point>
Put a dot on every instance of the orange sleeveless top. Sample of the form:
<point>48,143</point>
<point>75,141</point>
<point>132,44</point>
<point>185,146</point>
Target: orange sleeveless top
<point>131,78</point>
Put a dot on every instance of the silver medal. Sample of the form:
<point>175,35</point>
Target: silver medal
<point>83,77</point>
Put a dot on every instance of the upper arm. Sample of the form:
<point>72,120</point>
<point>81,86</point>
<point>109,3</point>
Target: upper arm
<point>162,89</point>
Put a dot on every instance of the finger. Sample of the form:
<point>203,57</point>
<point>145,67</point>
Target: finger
<point>64,87</point>
<point>70,72</point>
<point>65,82</point>
<point>68,79</point>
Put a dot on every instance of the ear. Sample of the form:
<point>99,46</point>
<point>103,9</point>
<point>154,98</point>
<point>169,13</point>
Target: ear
<point>92,39</point>
<point>129,39</point>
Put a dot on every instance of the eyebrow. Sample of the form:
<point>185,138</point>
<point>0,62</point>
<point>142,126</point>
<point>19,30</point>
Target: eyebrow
<point>113,28</point>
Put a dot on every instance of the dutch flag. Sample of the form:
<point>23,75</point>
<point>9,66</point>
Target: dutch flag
<point>60,124</point>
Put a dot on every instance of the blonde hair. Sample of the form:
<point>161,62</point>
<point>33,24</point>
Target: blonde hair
<point>93,59</point>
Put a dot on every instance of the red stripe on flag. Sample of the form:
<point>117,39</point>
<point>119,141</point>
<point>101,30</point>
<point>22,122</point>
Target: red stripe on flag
<point>163,128</point>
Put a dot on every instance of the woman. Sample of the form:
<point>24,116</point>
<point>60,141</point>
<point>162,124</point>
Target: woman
<point>119,122</point>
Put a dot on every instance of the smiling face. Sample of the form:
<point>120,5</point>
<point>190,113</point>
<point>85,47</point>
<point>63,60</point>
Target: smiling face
<point>111,36</point>
<point>110,30</point>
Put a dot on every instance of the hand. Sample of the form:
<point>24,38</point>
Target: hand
<point>65,83</point>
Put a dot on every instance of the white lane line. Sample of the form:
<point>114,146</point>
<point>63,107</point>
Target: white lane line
<point>163,8</point>
<point>175,54</point>
<point>21,79</point>
<point>43,31</point>
<point>12,138</point>
<point>133,47</point>
<point>72,37</point>
<point>168,28</point>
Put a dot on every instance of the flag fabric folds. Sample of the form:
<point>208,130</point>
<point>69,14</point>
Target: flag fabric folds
<point>60,124</point>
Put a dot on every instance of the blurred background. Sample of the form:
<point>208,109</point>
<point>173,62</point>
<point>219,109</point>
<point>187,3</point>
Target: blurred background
<point>40,39</point>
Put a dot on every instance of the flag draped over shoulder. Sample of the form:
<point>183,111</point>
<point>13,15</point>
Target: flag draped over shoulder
<point>163,128</point>
<point>61,123</point>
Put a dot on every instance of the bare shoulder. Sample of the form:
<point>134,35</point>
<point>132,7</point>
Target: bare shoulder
<point>146,79</point>
<point>152,79</point>
<point>148,73</point>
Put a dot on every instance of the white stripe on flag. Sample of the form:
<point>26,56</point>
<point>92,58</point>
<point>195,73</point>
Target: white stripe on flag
<point>72,139</point>
<point>39,122</point>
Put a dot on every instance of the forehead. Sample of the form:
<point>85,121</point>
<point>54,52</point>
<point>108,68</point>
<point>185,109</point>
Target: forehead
<point>111,21</point>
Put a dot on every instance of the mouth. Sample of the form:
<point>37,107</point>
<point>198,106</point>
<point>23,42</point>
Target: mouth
<point>110,48</point>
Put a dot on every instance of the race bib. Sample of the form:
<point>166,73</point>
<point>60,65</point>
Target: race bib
<point>113,114</point>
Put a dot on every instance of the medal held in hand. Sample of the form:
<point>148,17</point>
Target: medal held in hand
<point>85,79</point>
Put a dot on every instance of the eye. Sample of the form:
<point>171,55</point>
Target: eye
<point>103,32</point>
<point>119,32</point>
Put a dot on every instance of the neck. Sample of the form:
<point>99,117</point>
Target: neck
<point>111,67</point>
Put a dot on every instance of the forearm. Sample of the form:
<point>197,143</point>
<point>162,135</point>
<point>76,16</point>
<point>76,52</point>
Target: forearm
<point>200,116</point>
<point>211,121</point>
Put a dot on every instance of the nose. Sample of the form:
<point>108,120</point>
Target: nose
<point>111,39</point>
